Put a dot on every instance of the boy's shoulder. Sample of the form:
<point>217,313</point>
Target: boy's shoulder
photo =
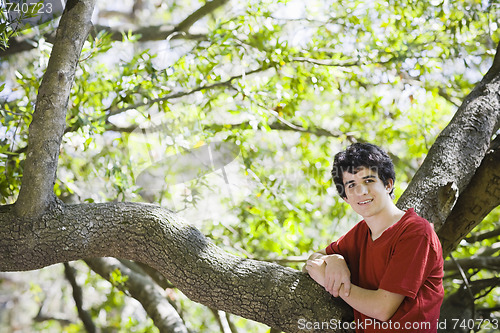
<point>412,218</point>
<point>415,224</point>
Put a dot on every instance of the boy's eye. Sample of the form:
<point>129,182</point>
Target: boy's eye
<point>351,185</point>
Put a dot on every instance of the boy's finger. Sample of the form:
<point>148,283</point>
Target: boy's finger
<point>347,288</point>
<point>336,288</point>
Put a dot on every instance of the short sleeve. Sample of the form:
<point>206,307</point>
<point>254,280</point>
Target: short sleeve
<point>334,248</point>
<point>412,259</point>
<point>347,245</point>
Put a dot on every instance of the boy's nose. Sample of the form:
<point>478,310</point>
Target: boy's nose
<point>363,189</point>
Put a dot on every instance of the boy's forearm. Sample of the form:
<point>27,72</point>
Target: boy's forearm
<point>379,304</point>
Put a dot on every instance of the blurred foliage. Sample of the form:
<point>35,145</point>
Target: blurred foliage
<point>291,83</point>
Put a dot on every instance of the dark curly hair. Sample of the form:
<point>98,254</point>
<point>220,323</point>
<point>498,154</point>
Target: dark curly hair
<point>360,155</point>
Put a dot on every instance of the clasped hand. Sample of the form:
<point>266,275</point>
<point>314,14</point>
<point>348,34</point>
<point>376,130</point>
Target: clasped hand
<point>331,272</point>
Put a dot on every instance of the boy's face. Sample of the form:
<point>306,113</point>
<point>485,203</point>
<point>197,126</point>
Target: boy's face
<point>366,193</point>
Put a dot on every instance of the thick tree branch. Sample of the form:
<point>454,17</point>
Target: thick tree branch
<point>457,152</point>
<point>49,118</point>
<point>157,277</point>
<point>143,289</point>
<point>265,292</point>
<point>474,203</point>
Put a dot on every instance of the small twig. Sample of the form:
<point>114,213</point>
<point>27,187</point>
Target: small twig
<point>467,285</point>
<point>86,318</point>
<point>227,83</point>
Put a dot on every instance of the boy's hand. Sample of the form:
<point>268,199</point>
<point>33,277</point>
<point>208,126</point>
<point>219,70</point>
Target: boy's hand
<point>316,270</point>
<point>336,274</point>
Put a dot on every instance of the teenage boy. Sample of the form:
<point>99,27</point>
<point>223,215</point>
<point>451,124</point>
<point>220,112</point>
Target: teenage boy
<point>389,266</point>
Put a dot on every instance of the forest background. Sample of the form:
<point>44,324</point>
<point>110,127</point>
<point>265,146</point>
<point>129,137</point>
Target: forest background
<point>228,113</point>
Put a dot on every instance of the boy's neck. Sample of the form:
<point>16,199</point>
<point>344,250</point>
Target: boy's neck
<point>382,221</point>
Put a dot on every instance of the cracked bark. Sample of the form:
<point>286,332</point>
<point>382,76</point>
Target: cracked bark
<point>477,200</point>
<point>264,292</point>
<point>457,152</point>
<point>49,121</point>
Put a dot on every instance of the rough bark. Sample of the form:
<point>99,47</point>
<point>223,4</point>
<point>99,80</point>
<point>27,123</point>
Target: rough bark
<point>457,152</point>
<point>264,292</point>
<point>145,290</point>
<point>477,200</point>
<point>47,127</point>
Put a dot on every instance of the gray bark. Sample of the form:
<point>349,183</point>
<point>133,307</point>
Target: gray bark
<point>264,292</point>
<point>457,152</point>
<point>47,127</point>
<point>476,201</point>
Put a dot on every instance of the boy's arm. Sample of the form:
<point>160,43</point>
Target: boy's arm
<point>379,304</point>
<point>330,271</point>
<point>315,255</point>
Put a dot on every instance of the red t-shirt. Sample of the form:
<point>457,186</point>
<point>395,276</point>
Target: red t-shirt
<point>406,259</point>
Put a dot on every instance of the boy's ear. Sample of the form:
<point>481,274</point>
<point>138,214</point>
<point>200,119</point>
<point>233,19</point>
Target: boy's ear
<point>390,185</point>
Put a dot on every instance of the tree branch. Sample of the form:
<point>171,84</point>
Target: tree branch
<point>201,12</point>
<point>247,126</point>
<point>89,325</point>
<point>20,44</point>
<point>143,289</point>
<point>482,236</point>
<point>49,118</point>
<point>115,111</point>
<point>149,33</point>
<point>457,152</point>
<point>266,292</point>
<point>491,263</point>
<point>157,277</point>
<point>474,203</point>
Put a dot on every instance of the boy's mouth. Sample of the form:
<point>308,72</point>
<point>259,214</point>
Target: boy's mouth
<point>365,202</point>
